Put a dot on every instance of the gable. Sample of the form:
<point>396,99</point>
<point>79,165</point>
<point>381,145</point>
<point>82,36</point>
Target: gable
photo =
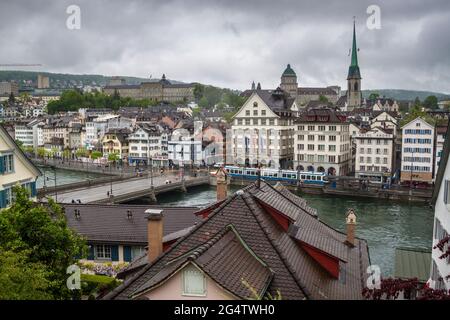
<point>249,105</point>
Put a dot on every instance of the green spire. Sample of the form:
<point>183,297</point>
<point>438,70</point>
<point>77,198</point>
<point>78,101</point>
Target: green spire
<point>289,71</point>
<point>353,70</point>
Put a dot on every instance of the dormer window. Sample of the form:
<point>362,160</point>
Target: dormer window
<point>194,281</point>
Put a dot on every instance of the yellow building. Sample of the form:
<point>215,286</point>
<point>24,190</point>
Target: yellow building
<point>15,169</point>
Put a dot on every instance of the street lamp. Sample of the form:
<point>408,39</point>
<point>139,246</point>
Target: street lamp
<point>54,179</point>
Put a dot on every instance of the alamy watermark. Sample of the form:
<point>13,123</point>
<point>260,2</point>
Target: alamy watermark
<point>73,21</point>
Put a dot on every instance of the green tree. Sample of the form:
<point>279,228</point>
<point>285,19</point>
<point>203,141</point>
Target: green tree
<point>96,155</point>
<point>81,152</point>
<point>198,91</point>
<point>40,233</point>
<point>323,98</point>
<point>113,157</point>
<point>21,279</point>
<point>41,152</point>
<point>431,102</point>
<point>374,96</point>
<point>203,103</point>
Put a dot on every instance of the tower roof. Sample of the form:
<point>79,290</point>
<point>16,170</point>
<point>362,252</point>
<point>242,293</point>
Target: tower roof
<point>353,70</point>
<point>289,71</point>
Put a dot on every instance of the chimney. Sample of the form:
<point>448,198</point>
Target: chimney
<point>221,184</point>
<point>154,233</point>
<point>351,225</point>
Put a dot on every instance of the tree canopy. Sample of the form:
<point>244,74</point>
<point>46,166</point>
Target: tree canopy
<point>36,247</point>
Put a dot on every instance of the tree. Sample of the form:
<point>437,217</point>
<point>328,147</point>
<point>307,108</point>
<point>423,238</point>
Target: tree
<point>203,103</point>
<point>41,152</point>
<point>39,234</point>
<point>198,91</point>
<point>374,96</point>
<point>96,154</point>
<point>431,102</point>
<point>21,279</point>
<point>81,152</point>
<point>113,157</point>
<point>323,98</point>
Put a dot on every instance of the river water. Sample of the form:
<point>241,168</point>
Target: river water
<point>385,225</point>
<point>63,177</point>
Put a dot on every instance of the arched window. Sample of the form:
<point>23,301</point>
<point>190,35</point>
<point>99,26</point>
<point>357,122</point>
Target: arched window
<point>356,86</point>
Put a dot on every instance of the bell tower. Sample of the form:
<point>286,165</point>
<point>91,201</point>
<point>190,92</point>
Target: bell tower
<point>289,81</point>
<point>354,95</point>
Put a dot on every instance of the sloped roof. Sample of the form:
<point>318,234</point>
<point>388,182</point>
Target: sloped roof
<point>218,258</point>
<point>412,263</point>
<point>295,272</point>
<point>10,141</point>
<point>325,115</point>
<point>277,100</point>
<point>109,223</point>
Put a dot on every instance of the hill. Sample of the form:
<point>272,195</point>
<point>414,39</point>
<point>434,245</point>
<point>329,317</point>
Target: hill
<point>64,80</point>
<point>410,95</point>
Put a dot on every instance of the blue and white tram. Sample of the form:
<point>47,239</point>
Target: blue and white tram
<point>286,176</point>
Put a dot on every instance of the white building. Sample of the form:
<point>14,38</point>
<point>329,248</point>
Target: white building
<point>417,151</point>
<point>30,133</point>
<point>374,154</point>
<point>185,151</point>
<point>15,169</point>
<point>262,130</point>
<point>322,142</point>
<point>97,126</point>
<point>440,267</point>
<point>148,142</point>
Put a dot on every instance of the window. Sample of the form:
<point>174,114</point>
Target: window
<point>194,282</point>
<point>321,147</point>
<point>263,112</point>
<point>272,122</point>
<point>7,163</point>
<point>321,138</point>
<point>136,252</point>
<point>102,251</point>
<point>331,148</point>
<point>255,112</point>
<point>311,137</point>
<point>447,192</point>
<point>301,137</point>
<point>311,128</point>
<point>255,104</point>
<point>263,122</point>
<point>321,128</point>
<point>332,138</point>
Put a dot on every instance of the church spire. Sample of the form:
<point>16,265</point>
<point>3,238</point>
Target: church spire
<point>353,70</point>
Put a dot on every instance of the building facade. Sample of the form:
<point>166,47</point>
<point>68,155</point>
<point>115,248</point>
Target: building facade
<point>374,158</point>
<point>440,265</point>
<point>15,169</point>
<point>148,143</point>
<point>158,91</point>
<point>417,152</point>
<point>322,142</point>
<point>262,130</point>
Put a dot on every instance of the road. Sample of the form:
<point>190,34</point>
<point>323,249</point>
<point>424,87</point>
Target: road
<point>100,192</point>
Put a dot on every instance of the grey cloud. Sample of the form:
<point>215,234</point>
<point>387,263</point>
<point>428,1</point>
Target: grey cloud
<point>231,43</point>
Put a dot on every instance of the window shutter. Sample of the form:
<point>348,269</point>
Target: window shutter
<point>2,165</point>
<point>91,253</point>
<point>33,189</point>
<point>2,198</point>
<point>446,191</point>
<point>114,253</point>
<point>127,253</point>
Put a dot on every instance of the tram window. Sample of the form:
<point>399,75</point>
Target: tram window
<point>313,177</point>
<point>302,177</point>
<point>308,177</point>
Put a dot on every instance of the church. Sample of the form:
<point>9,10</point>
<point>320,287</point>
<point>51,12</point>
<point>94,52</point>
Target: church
<point>330,95</point>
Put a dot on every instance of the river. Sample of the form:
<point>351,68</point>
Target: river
<point>63,176</point>
<point>385,225</point>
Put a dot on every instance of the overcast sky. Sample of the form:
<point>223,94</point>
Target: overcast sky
<point>231,43</point>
